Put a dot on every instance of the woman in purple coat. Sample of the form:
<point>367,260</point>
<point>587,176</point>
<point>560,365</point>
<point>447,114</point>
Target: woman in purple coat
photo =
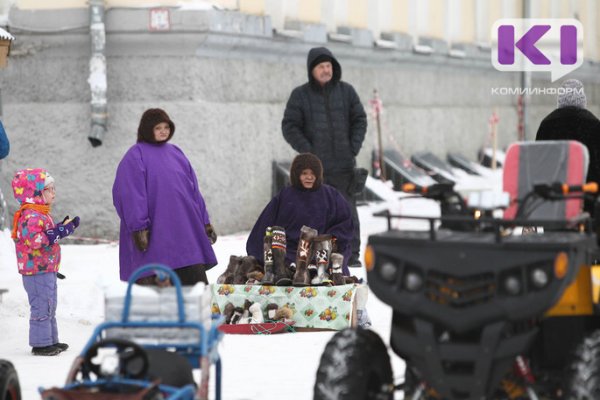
<point>163,215</point>
<point>309,203</point>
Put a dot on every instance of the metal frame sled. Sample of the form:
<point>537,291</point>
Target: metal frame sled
<point>158,369</point>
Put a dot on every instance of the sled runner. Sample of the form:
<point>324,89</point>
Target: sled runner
<point>265,328</point>
<point>147,359</point>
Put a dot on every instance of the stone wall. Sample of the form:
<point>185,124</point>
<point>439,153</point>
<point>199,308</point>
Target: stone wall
<point>225,78</point>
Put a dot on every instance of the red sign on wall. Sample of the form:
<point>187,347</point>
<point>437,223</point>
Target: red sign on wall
<point>160,19</point>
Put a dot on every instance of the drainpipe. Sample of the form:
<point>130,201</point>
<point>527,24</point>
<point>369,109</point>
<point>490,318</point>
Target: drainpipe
<point>97,78</point>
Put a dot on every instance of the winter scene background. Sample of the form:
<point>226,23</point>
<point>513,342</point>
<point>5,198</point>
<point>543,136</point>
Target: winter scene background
<point>73,92</point>
<point>254,366</point>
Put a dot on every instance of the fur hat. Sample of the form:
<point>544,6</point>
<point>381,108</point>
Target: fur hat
<point>571,94</point>
<point>149,120</point>
<point>306,161</point>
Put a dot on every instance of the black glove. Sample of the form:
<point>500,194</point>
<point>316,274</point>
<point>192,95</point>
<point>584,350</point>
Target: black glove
<point>210,232</point>
<point>141,239</point>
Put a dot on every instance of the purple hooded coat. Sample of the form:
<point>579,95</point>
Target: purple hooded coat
<point>156,188</point>
<point>323,209</point>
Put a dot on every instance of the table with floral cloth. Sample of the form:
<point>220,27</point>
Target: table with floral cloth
<point>318,307</point>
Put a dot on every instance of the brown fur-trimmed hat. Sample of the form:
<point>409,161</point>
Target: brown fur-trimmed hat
<point>306,161</point>
<point>149,120</point>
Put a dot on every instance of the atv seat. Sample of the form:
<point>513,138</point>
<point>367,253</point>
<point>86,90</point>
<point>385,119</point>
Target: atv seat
<point>531,163</point>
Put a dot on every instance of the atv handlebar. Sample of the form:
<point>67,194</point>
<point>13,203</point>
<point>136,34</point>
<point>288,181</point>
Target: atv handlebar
<point>435,191</point>
<point>562,189</point>
<point>454,208</point>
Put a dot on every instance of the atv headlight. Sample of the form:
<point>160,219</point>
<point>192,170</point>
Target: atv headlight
<point>413,281</point>
<point>388,271</point>
<point>539,278</point>
<point>512,285</point>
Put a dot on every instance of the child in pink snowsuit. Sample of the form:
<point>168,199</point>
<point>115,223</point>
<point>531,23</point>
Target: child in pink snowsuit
<point>38,255</point>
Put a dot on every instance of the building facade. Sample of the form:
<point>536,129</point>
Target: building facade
<point>224,70</point>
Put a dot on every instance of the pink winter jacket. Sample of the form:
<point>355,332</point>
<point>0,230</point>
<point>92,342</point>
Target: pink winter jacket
<point>35,254</point>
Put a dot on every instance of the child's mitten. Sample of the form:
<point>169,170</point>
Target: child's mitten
<point>61,231</point>
<point>68,219</point>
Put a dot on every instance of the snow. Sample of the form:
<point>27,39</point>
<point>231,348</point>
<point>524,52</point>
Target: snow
<point>254,366</point>
<point>5,35</point>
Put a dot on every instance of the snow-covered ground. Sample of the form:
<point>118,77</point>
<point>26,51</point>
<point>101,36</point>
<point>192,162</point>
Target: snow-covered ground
<point>254,366</point>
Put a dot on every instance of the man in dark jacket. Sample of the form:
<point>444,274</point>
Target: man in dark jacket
<point>571,121</point>
<point>325,117</point>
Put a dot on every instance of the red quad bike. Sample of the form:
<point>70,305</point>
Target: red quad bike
<point>481,311</point>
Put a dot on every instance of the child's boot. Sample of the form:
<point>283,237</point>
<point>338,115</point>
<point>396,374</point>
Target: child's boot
<point>62,346</point>
<point>228,312</point>
<point>303,256</point>
<point>268,258</point>
<point>312,271</point>
<point>336,269</point>
<point>322,246</point>
<point>279,248</point>
<point>256,314</point>
<point>51,350</point>
<point>237,315</point>
<point>271,311</point>
<point>227,276</point>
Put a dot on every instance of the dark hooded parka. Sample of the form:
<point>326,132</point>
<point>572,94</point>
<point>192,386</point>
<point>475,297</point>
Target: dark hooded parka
<point>572,121</point>
<point>330,122</point>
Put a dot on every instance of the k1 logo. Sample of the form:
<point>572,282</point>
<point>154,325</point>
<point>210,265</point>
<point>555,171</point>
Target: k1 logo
<point>531,44</point>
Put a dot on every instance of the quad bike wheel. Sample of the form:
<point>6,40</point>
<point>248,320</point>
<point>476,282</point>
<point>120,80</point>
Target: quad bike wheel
<point>584,381</point>
<point>355,365</point>
<point>9,382</point>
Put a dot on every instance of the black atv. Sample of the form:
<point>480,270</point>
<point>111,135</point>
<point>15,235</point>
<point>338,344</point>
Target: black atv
<point>478,311</point>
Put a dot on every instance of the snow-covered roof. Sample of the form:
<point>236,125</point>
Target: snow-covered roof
<point>5,35</point>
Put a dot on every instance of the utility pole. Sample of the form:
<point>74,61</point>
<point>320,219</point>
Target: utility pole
<point>377,107</point>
